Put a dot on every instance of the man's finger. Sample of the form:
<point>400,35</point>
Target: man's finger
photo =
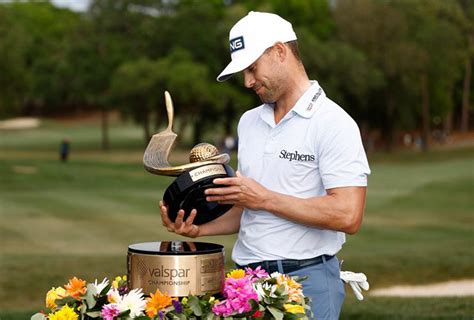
<point>179,219</point>
<point>227,181</point>
<point>229,197</point>
<point>228,202</point>
<point>190,219</point>
<point>222,191</point>
<point>164,214</point>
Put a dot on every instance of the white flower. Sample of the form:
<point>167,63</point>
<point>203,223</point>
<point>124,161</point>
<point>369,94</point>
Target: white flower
<point>134,302</point>
<point>100,286</point>
<point>113,296</point>
<point>275,274</point>
<point>258,288</point>
<point>262,288</point>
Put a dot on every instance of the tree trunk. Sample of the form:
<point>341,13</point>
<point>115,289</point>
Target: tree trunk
<point>387,129</point>
<point>105,128</point>
<point>229,117</point>
<point>197,130</point>
<point>465,95</point>
<point>146,128</point>
<point>448,123</point>
<point>425,113</point>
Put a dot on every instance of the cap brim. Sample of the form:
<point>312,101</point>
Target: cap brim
<point>238,64</point>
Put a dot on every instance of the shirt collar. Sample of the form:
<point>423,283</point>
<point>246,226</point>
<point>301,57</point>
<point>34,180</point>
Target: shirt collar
<point>306,105</point>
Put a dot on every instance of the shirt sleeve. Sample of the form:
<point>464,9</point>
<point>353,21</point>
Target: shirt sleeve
<point>342,158</point>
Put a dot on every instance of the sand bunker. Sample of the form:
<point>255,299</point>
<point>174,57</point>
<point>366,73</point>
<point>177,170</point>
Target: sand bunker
<point>19,123</point>
<point>442,289</point>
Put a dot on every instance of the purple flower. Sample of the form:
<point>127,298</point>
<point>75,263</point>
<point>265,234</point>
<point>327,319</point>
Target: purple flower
<point>110,311</point>
<point>177,306</point>
<point>123,290</point>
<point>258,273</point>
<point>161,314</point>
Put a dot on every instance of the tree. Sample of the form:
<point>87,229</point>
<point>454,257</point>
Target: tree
<point>432,23</point>
<point>345,72</point>
<point>36,40</point>
<point>380,32</point>
<point>14,75</point>
<point>467,26</point>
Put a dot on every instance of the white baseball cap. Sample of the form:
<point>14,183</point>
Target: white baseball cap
<point>251,36</point>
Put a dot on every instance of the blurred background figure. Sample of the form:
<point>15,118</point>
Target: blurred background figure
<point>64,149</point>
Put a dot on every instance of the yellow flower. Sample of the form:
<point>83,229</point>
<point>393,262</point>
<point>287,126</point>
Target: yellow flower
<point>236,274</point>
<point>281,279</point>
<point>118,280</point>
<point>157,302</point>
<point>66,313</point>
<point>293,284</point>
<point>53,295</point>
<point>293,308</point>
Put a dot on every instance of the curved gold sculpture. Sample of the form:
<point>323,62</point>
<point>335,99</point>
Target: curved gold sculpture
<point>155,158</point>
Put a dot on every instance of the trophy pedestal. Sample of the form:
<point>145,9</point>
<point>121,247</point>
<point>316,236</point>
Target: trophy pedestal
<point>176,268</point>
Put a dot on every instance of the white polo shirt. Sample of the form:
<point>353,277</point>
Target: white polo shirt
<point>316,146</point>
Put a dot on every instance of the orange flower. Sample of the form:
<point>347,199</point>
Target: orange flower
<point>76,287</point>
<point>157,302</point>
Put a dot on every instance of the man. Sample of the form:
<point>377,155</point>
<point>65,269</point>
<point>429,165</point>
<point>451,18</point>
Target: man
<point>302,170</point>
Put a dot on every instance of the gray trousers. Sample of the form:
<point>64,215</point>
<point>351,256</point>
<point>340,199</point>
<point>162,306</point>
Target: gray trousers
<point>325,288</point>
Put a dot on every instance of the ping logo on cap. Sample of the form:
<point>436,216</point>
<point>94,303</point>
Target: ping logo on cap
<point>237,44</point>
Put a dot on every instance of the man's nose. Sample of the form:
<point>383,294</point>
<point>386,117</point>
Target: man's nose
<point>249,79</point>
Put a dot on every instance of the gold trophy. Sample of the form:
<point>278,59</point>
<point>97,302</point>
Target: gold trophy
<point>176,267</point>
<point>187,191</point>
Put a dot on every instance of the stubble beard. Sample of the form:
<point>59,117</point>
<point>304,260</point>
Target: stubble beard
<point>269,92</point>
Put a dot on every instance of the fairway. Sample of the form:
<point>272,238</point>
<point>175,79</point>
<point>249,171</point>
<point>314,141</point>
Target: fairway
<point>59,220</point>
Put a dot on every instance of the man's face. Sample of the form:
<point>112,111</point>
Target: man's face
<point>263,77</point>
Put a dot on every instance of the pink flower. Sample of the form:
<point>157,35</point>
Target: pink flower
<point>258,273</point>
<point>110,311</point>
<point>238,293</point>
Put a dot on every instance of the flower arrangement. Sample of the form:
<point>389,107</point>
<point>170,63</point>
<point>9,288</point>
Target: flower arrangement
<point>247,294</point>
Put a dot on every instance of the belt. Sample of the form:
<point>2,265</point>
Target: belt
<point>287,265</point>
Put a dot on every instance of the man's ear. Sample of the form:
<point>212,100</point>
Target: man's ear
<point>281,51</point>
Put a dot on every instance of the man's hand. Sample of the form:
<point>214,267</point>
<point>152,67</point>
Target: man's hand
<point>240,191</point>
<point>184,228</point>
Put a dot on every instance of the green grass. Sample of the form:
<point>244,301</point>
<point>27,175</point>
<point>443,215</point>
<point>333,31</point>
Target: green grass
<point>78,218</point>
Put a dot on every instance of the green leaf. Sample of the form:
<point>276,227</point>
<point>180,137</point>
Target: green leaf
<point>93,314</point>
<point>277,314</point>
<point>90,295</point>
<point>105,290</point>
<point>38,316</point>
<point>193,303</point>
<point>210,316</point>
<point>83,309</point>
<point>70,301</point>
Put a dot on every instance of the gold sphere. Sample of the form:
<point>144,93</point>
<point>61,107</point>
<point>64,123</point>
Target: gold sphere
<point>202,152</point>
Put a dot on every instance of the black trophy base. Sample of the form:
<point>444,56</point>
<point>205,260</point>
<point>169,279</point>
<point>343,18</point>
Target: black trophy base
<point>187,193</point>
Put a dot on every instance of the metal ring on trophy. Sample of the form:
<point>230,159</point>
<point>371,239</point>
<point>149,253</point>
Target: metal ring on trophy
<point>193,178</point>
